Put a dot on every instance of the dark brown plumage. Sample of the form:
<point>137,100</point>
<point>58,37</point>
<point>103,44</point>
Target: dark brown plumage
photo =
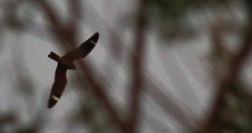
<point>66,62</point>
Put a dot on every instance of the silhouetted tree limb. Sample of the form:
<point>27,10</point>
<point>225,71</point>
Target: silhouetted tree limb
<point>96,87</point>
<point>137,68</point>
<point>233,74</point>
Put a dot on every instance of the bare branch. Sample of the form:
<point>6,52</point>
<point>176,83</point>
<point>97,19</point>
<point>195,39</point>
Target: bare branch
<point>50,13</point>
<point>234,71</point>
<point>137,69</point>
<point>97,88</point>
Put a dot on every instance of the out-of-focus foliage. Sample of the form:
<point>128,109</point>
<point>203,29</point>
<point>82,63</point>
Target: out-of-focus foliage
<point>170,19</point>
<point>91,113</point>
<point>170,16</point>
<point>20,16</point>
<point>235,115</point>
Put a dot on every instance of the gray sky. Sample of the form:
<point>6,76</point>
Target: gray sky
<point>183,70</point>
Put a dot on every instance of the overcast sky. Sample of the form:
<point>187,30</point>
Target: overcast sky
<point>183,69</point>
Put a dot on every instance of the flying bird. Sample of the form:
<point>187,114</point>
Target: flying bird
<point>66,62</point>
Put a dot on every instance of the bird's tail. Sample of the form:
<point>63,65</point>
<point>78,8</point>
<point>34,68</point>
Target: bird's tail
<point>58,59</point>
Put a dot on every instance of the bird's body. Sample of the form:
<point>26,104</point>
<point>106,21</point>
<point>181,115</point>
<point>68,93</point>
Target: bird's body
<point>66,62</point>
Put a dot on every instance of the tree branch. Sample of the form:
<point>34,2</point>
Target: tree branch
<point>234,71</point>
<point>137,69</point>
<point>96,87</point>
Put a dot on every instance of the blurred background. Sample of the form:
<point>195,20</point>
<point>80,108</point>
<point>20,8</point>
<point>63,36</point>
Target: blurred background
<point>160,66</point>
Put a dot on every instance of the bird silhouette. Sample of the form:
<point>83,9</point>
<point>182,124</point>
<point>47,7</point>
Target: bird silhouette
<point>66,62</point>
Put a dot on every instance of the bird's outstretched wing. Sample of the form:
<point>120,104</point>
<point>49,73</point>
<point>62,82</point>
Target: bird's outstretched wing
<point>83,49</point>
<point>58,85</point>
